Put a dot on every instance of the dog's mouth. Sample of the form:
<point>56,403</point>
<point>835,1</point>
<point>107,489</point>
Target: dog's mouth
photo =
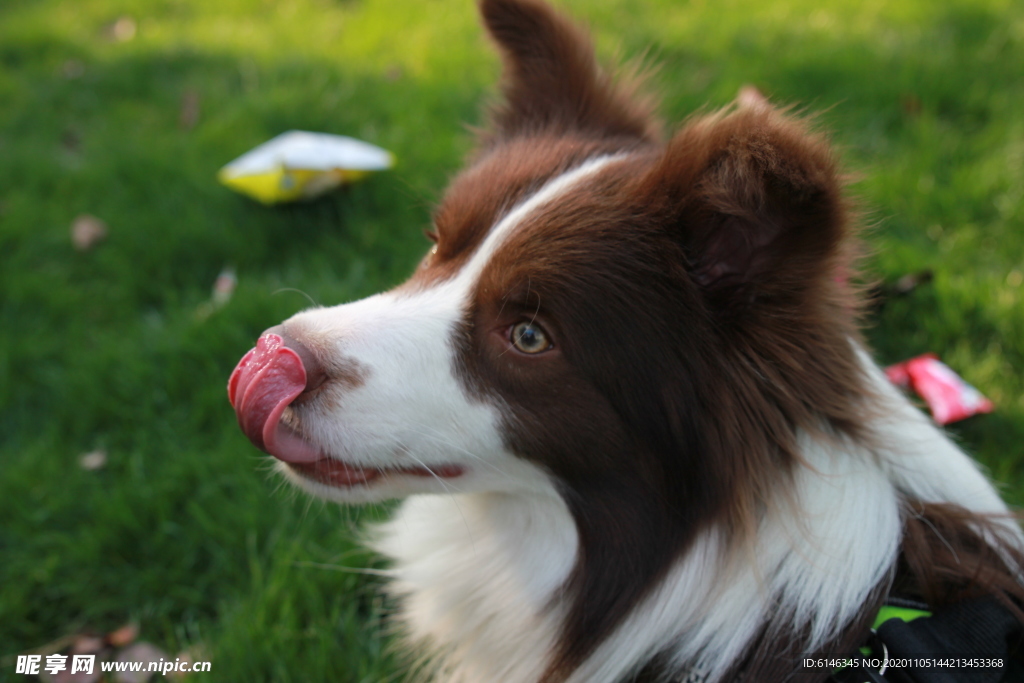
<point>264,383</point>
<point>336,473</point>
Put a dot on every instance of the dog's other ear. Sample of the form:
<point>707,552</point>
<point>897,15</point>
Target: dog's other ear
<point>756,201</point>
<point>551,82</point>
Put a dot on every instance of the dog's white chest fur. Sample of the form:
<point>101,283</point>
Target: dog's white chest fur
<point>478,573</point>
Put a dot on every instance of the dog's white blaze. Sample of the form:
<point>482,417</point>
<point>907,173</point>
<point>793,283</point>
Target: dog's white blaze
<point>505,227</point>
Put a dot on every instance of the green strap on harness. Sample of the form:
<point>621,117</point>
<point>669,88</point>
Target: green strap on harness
<point>889,612</point>
<point>903,613</point>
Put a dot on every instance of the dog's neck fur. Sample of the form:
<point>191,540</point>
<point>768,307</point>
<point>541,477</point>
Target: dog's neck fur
<point>478,575</point>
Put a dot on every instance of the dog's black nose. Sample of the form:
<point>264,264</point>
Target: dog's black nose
<point>315,373</point>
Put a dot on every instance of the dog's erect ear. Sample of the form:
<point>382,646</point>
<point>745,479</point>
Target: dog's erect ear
<point>551,81</point>
<point>756,201</point>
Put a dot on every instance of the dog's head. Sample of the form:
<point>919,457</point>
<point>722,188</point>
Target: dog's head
<point>598,306</point>
<point>637,325</point>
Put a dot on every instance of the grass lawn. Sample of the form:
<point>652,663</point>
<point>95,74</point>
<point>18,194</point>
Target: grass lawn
<point>184,531</point>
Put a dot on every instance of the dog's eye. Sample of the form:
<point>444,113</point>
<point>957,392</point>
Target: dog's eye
<point>528,337</point>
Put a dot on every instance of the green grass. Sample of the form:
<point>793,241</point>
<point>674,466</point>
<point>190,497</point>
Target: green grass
<point>184,530</point>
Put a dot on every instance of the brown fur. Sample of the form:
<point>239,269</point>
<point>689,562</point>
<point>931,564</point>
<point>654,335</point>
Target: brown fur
<point>945,557</point>
<point>551,82</point>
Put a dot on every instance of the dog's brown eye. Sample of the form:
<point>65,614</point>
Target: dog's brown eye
<point>528,337</point>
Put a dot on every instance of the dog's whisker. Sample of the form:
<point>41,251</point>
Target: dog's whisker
<point>431,433</point>
<point>368,571</point>
<point>426,467</point>
<point>450,493</point>
<point>284,290</point>
<point>938,534</point>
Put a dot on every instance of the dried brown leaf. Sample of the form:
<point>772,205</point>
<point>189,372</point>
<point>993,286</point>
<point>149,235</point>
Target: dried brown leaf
<point>139,652</point>
<point>121,29</point>
<point>189,114</point>
<point>87,231</point>
<point>87,645</point>
<point>123,636</point>
<point>189,656</point>
<point>93,460</point>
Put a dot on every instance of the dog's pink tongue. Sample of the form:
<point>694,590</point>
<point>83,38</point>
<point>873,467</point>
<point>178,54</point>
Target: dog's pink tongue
<point>265,381</point>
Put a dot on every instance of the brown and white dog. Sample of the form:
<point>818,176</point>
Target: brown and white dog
<point>626,403</point>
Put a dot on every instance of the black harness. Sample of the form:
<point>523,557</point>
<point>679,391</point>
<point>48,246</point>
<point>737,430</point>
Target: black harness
<point>973,641</point>
<point>978,640</point>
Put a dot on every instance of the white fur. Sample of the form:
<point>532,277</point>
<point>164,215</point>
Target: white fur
<point>477,574</point>
<point>928,465</point>
<point>507,226</point>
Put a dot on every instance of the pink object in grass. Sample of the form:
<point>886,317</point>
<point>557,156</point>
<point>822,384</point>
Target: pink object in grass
<point>948,396</point>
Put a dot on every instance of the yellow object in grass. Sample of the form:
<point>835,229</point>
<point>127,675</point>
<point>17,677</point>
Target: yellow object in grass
<point>300,165</point>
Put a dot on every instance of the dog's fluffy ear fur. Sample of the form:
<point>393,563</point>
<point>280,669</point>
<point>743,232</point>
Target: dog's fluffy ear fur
<point>551,82</point>
<point>756,201</point>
